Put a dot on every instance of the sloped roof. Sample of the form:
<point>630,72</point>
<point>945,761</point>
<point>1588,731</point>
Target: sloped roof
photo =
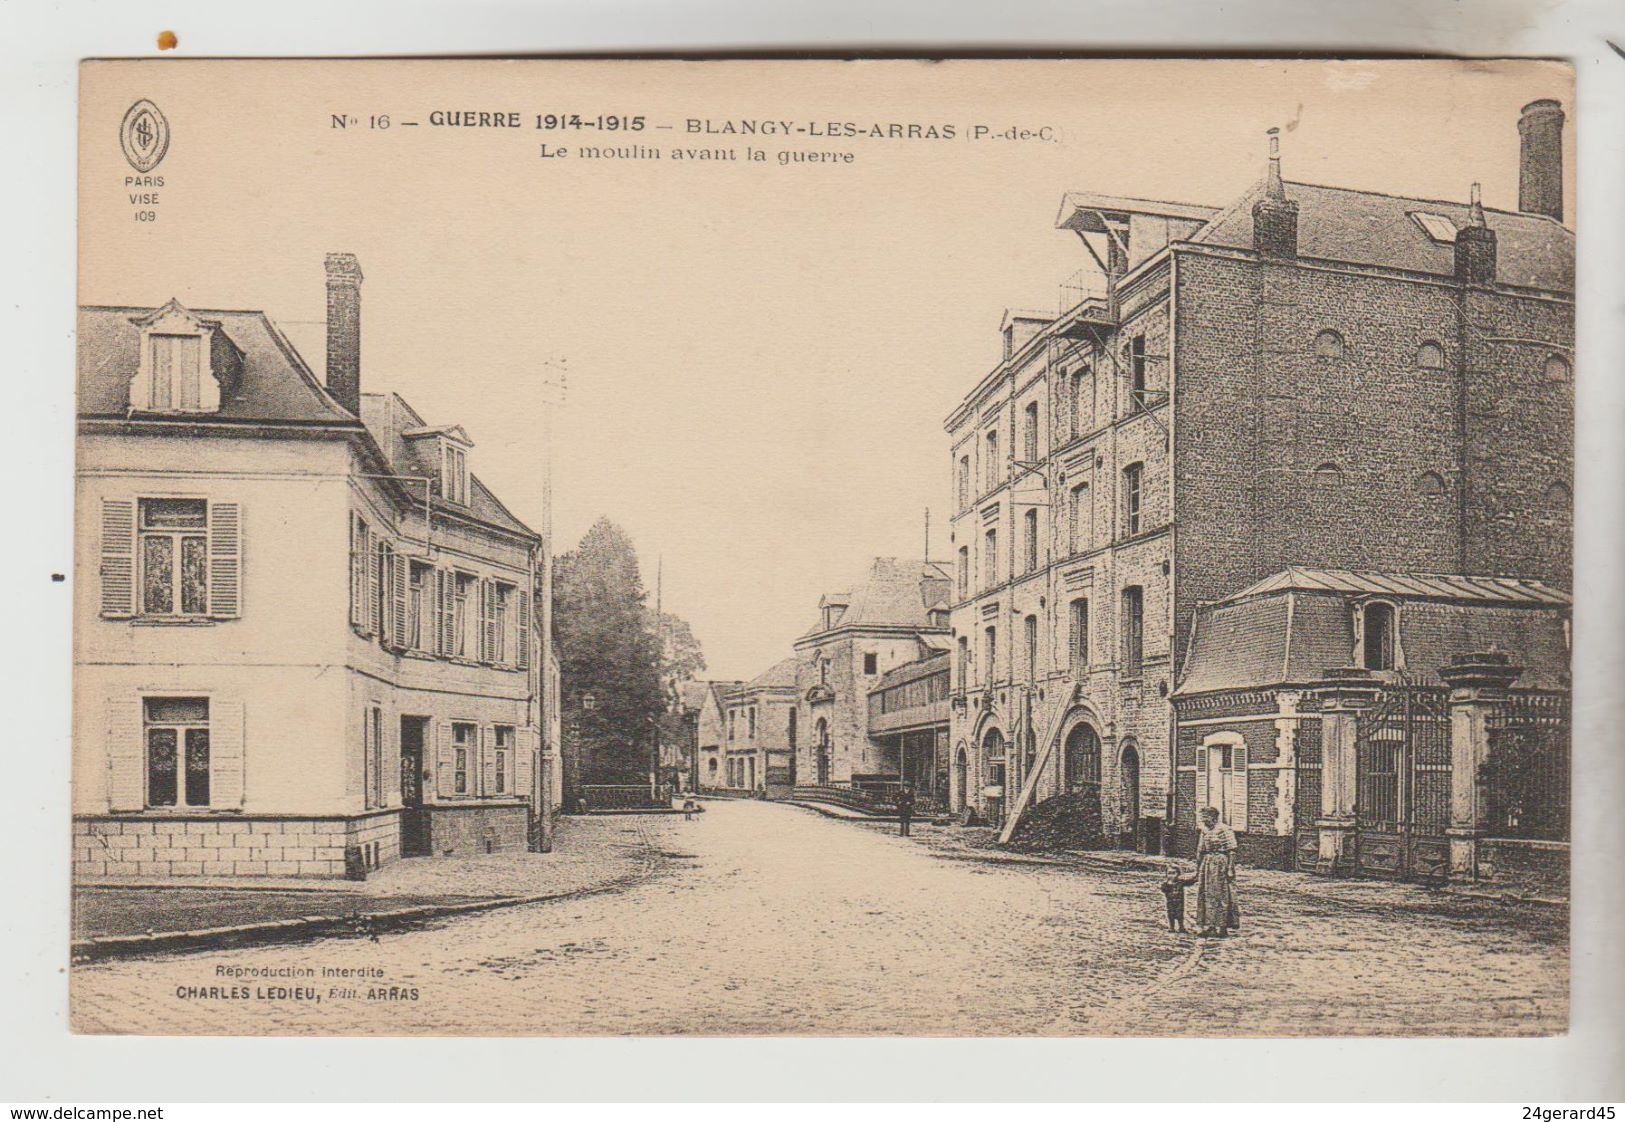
<point>275,384</point>
<point>781,675</point>
<point>1369,228</point>
<point>1294,626</point>
<point>895,593</point>
<point>691,694</point>
<point>1437,586</point>
<point>391,420</point>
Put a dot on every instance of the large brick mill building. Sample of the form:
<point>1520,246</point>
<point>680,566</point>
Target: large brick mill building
<point>1308,376</point>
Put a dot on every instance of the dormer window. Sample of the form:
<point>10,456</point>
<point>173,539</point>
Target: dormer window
<point>184,360</point>
<point>453,473</point>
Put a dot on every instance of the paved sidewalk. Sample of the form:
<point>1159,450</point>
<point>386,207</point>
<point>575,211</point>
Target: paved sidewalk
<point>113,917</point>
<point>980,843</point>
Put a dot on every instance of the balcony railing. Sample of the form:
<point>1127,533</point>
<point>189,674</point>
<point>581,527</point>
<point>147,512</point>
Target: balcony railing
<point>1083,285</point>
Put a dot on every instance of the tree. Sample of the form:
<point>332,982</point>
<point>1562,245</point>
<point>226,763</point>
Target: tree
<point>608,659</point>
<point>681,658</point>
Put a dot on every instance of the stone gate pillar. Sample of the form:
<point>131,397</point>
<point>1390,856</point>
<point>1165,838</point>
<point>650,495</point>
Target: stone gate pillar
<point>1478,683</point>
<point>1345,693</point>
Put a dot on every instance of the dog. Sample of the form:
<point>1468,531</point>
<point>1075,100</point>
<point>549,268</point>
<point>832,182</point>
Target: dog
<point>1173,893</point>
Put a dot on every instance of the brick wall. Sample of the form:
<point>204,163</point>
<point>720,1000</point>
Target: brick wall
<point>1259,410</point>
<point>464,830</point>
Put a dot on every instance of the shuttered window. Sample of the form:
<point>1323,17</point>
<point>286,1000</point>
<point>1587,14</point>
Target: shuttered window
<point>464,745</point>
<point>502,752</point>
<point>358,572</point>
<point>175,753</point>
<point>418,635</point>
<point>525,638</point>
<point>171,558</point>
<point>176,363</point>
<point>1221,778</point>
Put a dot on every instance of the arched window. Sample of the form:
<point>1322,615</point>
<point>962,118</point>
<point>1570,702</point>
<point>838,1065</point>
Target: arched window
<point>1328,344</point>
<point>1431,483</point>
<point>1029,522</point>
<point>1081,761</point>
<point>1328,477</point>
<point>993,758</point>
<point>1556,368</point>
<point>1378,637</point>
<point>1558,495</point>
<point>821,758</point>
<point>1430,356</point>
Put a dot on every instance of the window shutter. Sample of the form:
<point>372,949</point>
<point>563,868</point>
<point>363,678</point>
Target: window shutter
<point>375,586</point>
<point>524,759</point>
<point>437,611</point>
<point>390,761</point>
<point>357,572</point>
<point>486,647</point>
<point>445,763</point>
<point>226,763</point>
<point>1204,786</point>
<point>1236,812</point>
<point>126,761</point>
<point>225,560</point>
<point>523,640</point>
<point>118,557</point>
<point>403,578</point>
<point>448,612</point>
<point>488,761</point>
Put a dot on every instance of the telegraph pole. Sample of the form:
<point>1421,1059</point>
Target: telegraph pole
<point>554,388</point>
<point>660,659</point>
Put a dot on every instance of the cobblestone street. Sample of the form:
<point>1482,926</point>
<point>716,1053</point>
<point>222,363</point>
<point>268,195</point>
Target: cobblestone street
<point>762,918</point>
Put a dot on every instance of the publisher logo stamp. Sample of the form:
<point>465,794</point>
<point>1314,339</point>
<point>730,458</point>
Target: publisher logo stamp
<point>144,135</point>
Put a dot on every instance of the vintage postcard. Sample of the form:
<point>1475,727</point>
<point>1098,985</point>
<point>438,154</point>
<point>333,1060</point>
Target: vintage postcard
<point>787,547</point>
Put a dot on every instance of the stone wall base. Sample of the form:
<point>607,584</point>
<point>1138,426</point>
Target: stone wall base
<point>152,846</point>
<point>464,830</point>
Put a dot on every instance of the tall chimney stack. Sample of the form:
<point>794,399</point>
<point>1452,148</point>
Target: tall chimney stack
<point>344,330</point>
<point>1540,164</point>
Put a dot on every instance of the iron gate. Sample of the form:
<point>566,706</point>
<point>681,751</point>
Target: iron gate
<point>1402,774</point>
<point>1526,774</point>
<point>1306,845</point>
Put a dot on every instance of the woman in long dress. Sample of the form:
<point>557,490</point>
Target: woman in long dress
<point>1215,876</point>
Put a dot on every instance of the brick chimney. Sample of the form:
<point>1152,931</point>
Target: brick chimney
<point>1275,217</point>
<point>344,330</point>
<point>1540,163</point>
<point>1475,246</point>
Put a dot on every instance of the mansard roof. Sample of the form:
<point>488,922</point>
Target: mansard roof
<point>1293,626</point>
<point>275,385</point>
<point>895,593</point>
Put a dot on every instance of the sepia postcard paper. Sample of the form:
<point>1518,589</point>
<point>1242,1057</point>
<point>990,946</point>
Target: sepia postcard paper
<point>789,547</point>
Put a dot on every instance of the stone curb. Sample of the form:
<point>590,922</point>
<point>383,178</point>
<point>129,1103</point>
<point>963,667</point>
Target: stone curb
<point>1146,861</point>
<point>103,947</point>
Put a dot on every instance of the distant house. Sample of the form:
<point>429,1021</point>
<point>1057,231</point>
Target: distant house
<point>896,614</point>
<point>701,706</point>
<point>760,732</point>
